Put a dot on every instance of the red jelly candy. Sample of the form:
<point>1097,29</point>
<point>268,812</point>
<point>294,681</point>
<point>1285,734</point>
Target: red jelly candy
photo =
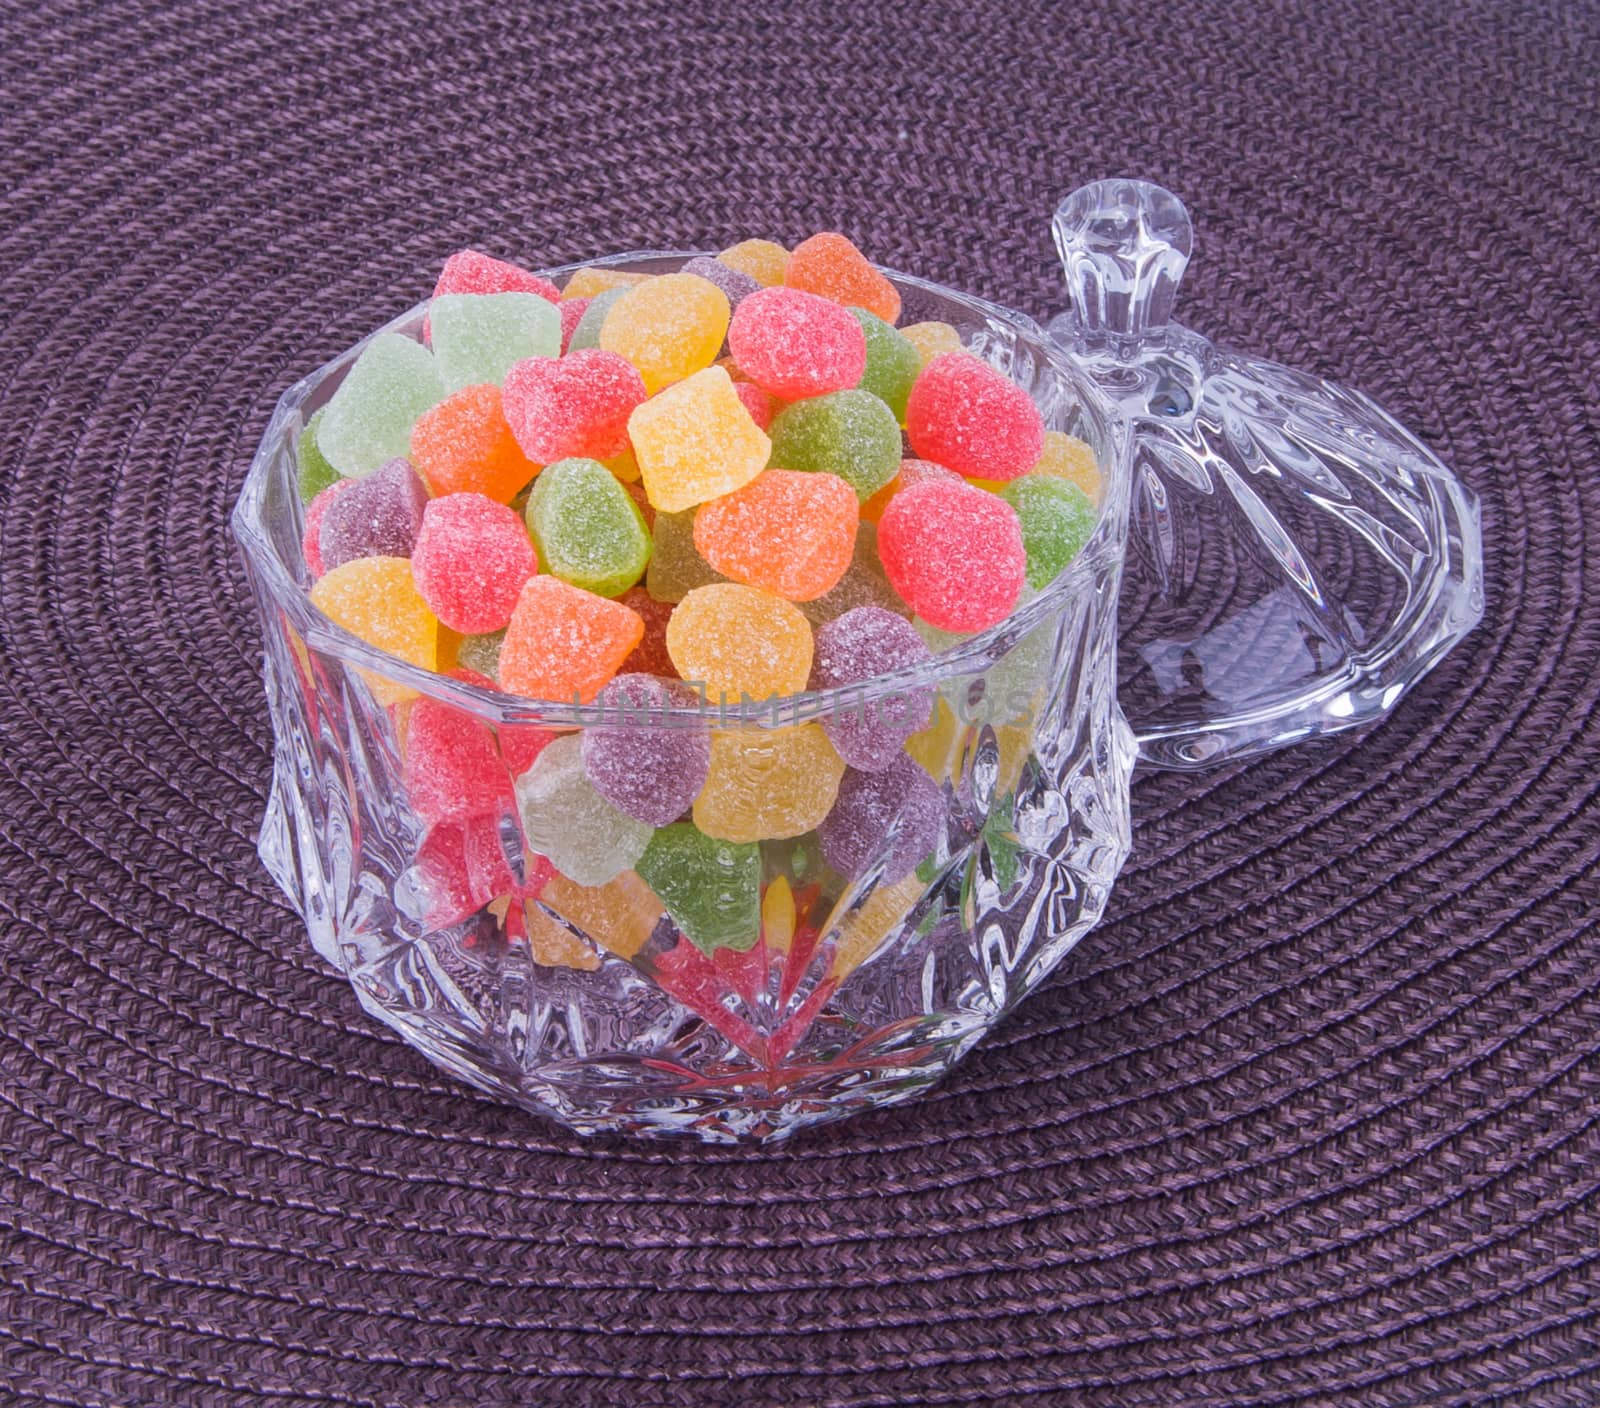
<point>471,558</point>
<point>965,415</point>
<point>577,405</point>
<point>468,271</point>
<point>311,543</point>
<point>572,311</point>
<point>954,553</point>
<point>452,767</point>
<point>756,401</point>
<point>796,344</point>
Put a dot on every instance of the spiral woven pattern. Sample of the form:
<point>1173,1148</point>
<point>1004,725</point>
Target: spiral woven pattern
<point>1311,1119</point>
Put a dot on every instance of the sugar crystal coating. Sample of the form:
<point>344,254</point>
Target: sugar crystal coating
<point>696,441</point>
<point>369,418</point>
<point>786,532</point>
<point>478,337</point>
<point>650,655</point>
<point>737,640</point>
<point>763,260</point>
<point>576,405</point>
<point>563,641</point>
<point>767,783</point>
<point>864,584</point>
<point>869,730</point>
<point>470,271</point>
<point>954,553</point>
<point>761,406</point>
<point>897,814</point>
<point>314,473</point>
<point>669,327</point>
<point>932,339</point>
<point>967,416</point>
<point>711,888</point>
<point>848,433</point>
<point>735,283</point>
<point>911,472</point>
<point>571,311</point>
<point>587,528</point>
<point>481,654</point>
<point>830,265</point>
<point>1057,519</point>
<point>311,540</point>
<point>795,344</point>
<point>586,838</point>
<point>452,766</point>
<point>471,559</point>
<point>464,446</point>
<point>645,762</point>
<point>893,363</point>
<point>374,598</point>
<point>380,516</point>
<point>676,567</point>
<point>586,331</point>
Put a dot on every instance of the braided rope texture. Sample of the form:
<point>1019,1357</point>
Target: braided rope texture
<point>1311,1119</point>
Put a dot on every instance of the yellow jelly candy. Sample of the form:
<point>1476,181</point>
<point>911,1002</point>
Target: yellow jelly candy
<point>865,929</point>
<point>778,916</point>
<point>585,283</point>
<point>375,598</point>
<point>736,640</point>
<point>620,915</point>
<point>1069,458</point>
<point>766,784</point>
<point>553,945</point>
<point>624,466</point>
<point>932,339</point>
<point>669,327</point>
<point>763,260</point>
<point>696,441</point>
<point>939,746</point>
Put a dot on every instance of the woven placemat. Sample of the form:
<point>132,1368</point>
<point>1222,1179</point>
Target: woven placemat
<point>1310,1119</point>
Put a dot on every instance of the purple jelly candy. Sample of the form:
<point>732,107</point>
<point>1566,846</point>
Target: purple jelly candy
<point>377,516</point>
<point>866,729</point>
<point>733,282</point>
<point>901,797</point>
<point>646,768</point>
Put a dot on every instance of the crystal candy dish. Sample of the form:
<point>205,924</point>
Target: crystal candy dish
<point>1296,561</point>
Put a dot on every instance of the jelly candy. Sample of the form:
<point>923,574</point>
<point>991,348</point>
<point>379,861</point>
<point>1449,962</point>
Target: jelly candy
<point>478,337</point>
<point>954,553</point>
<point>868,731</point>
<point>786,532</point>
<point>830,265</point>
<point>571,311</point>
<point>896,814</point>
<point>1065,457</point>
<point>763,260</point>
<point>736,640</point>
<point>481,653</point>
<point>893,363</point>
<point>577,405</point>
<point>735,283</point>
<point>795,344</point>
<point>471,559</point>
<point>646,764</point>
<point>911,472</point>
<point>586,283</point>
<point>620,915</point>
<point>967,416</point>
<point>563,641</point>
<point>368,421</point>
<point>565,819</point>
<point>374,598</point>
<point>464,446</point>
<point>586,332</point>
<point>863,584</point>
<point>650,655</point>
<point>767,783</point>
<point>761,406</point>
<point>310,541</point>
<point>866,927</point>
<point>676,567</point>
<point>314,472</point>
<point>625,469</point>
<point>588,530</point>
<point>1056,518</point>
<point>379,517</point>
<point>552,945</point>
<point>932,339</point>
<point>711,888</point>
<point>669,327</point>
<point>469,271</point>
<point>848,433</point>
<point>452,766</point>
<point>695,441</point>
<point>461,866</point>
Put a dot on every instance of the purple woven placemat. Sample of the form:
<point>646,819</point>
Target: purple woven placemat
<point>1311,1119</point>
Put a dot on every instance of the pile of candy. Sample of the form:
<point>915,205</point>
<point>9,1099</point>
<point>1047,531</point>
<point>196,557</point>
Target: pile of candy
<point>735,481</point>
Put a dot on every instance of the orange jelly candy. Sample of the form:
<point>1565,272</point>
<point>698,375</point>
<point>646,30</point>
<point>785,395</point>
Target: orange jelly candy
<point>829,265</point>
<point>564,641</point>
<point>464,446</point>
<point>786,532</point>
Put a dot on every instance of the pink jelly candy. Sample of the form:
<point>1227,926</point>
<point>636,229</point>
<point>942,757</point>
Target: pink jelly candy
<point>867,732</point>
<point>311,542</point>
<point>756,401</point>
<point>452,766</point>
<point>646,767</point>
<point>795,344</point>
<point>462,866</point>
<point>897,813</point>
<point>468,271</point>
<point>572,311</point>
<point>954,553</point>
<point>378,516</point>
<point>577,405</point>
<point>967,416</point>
<point>472,556</point>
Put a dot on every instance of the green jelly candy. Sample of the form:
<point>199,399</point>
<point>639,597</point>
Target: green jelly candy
<point>849,433</point>
<point>587,333</point>
<point>565,820</point>
<point>587,528</point>
<point>864,583</point>
<point>712,889</point>
<point>892,363</point>
<point>479,337</point>
<point>481,653</point>
<point>368,422</point>
<point>1056,518</point>
<point>676,567</point>
<point>315,473</point>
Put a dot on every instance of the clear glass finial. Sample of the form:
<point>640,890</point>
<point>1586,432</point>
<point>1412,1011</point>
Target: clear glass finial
<point>1124,245</point>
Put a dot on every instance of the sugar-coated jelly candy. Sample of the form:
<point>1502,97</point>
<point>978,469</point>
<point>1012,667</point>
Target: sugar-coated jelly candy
<point>867,926</point>
<point>736,640</point>
<point>374,598</point>
<point>669,327</point>
<point>932,339</point>
<point>380,516</point>
<point>471,559</point>
<point>481,654</point>
<point>848,433</point>
<point>954,553</point>
<point>552,945</point>
<point>1056,518</point>
<point>571,311</point>
<point>767,783</point>
<point>461,866</point>
<point>786,532</point>
<point>695,441</point>
<point>574,405</point>
<point>479,337</point>
<point>625,469</point>
<point>796,344</point>
<point>830,265</point>
<point>896,814</point>
<point>763,260</point>
<point>761,406</point>
<point>864,584</point>
<point>586,332</point>
<point>736,283</point>
<point>452,766</point>
<point>311,540</point>
<point>470,271</point>
<point>587,528</point>
<point>893,363</point>
<point>313,472</point>
<point>564,641</point>
<point>967,416</point>
<point>368,421</point>
<point>464,446</point>
<point>644,759</point>
<point>620,915</point>
<point>711,888</point>
<point>565,819</point>
<point>910,472</point>
<point>869,731</point>
<point>650,655</point>
<point>586,283</point>
<point>676,567</point>
<point>1066,457</point>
